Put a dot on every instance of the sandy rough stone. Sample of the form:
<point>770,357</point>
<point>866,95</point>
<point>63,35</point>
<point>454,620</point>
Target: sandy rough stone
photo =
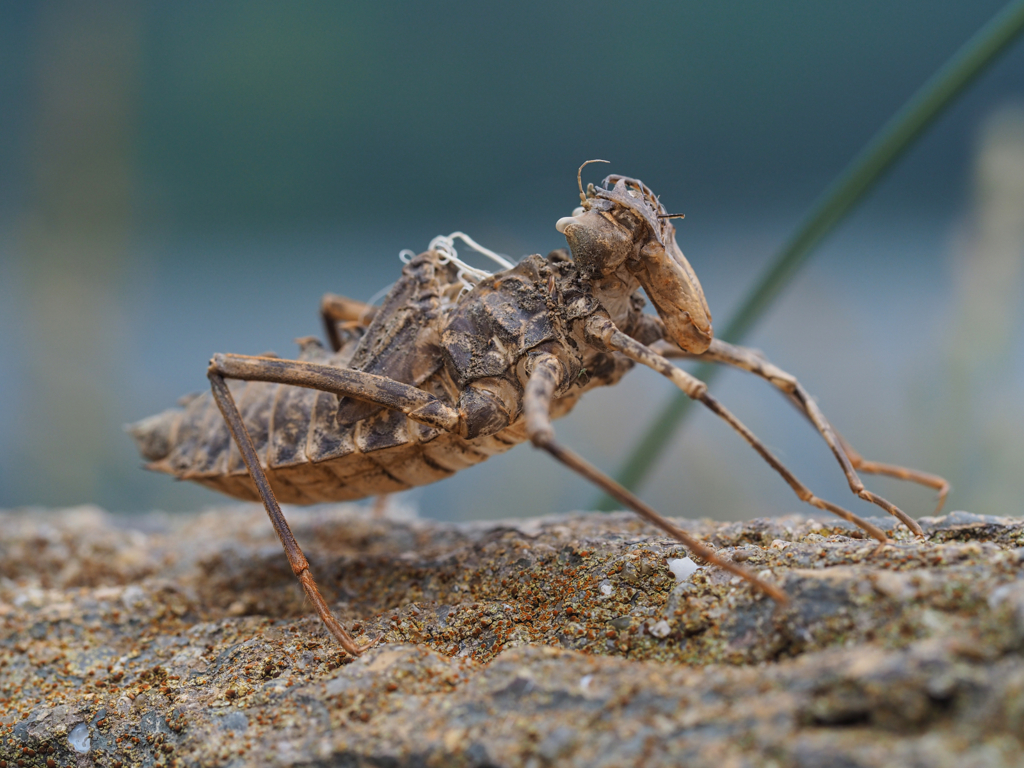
<point>184,640</point>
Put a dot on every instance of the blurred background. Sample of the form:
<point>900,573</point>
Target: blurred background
<point>178,179</point>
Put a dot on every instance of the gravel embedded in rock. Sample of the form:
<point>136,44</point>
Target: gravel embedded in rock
<point>565,640</point>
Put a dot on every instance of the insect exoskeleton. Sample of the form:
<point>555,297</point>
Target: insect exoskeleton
<point>458,364</point>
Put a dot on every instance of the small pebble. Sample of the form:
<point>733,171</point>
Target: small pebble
<point>79,738</point>
<point>661,629</point>
<point>683,568</point>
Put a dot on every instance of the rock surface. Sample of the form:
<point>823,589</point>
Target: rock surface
<point>568,640</point>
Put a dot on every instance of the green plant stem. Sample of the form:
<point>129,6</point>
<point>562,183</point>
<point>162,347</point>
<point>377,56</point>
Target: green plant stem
<point>838,200</point>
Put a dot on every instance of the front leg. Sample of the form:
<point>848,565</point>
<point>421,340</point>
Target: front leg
<point>414,403</point>
<point>849,459</point>
<point>602,333</point>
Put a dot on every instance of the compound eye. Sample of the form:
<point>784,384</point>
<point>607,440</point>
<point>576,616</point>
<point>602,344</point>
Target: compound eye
<point>578,210</point>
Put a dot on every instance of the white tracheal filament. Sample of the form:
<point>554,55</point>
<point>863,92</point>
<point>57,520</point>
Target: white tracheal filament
<point>468,275</point>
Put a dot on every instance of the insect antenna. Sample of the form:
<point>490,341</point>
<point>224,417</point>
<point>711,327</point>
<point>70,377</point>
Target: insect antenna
<point>671,215</point>
<point>579,180</point>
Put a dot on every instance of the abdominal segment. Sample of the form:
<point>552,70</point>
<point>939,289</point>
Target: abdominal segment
<point>308,456</point>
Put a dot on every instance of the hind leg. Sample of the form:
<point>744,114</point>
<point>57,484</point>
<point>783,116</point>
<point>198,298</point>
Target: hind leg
<point>415,403</point>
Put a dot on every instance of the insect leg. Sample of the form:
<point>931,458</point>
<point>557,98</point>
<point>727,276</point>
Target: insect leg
<point>850,460</point>
<point>341,309</point>
<point>927,479</point>
<point>545,376</point>
<point>603,333</point>
<point>414,402</point>
<point>297,560</point>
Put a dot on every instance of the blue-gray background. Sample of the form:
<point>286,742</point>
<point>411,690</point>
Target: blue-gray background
<point>183,178</point>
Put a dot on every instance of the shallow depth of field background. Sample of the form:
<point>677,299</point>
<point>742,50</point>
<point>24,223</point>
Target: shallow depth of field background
<point>178,179</point>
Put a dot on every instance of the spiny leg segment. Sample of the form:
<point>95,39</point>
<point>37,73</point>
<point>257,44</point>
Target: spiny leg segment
<point>603,334</point>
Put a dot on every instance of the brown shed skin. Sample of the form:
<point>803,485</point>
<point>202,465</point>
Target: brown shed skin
<point>315,451</point>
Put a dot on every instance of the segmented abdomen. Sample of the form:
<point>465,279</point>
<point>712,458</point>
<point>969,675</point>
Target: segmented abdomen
<point>308,457</point>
